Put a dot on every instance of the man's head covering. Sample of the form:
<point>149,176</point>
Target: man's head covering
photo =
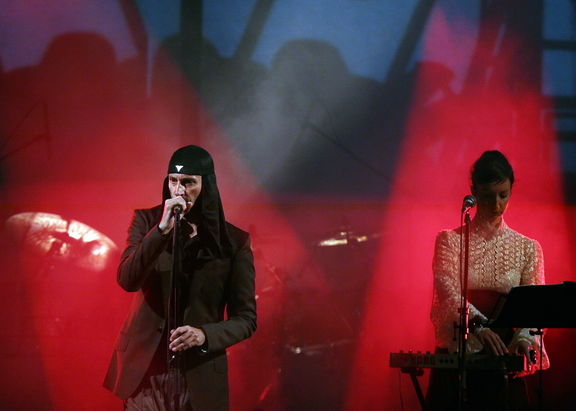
<point>191,160</point>
<point>207,211</point>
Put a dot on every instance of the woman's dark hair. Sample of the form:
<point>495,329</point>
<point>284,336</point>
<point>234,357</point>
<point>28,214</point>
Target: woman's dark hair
<point>491,167</point>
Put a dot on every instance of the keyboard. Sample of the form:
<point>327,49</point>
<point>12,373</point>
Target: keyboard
<point>485,362</point>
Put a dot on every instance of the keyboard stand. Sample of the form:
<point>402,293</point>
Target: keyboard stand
<point>414,374</point>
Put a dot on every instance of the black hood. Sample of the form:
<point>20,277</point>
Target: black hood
<point>207,211</point>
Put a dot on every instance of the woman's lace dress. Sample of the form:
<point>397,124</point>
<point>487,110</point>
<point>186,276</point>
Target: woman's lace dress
<point>500,258</point>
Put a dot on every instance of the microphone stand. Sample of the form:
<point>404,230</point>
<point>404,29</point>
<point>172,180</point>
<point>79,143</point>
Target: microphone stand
<point>540,388</point>
<point>464,309</point>
<point>173,321</point>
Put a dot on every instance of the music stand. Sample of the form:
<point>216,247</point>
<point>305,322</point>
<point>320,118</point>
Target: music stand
<point>537,306</point>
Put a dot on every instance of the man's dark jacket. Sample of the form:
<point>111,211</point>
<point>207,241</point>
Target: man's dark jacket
<point>215,285</point>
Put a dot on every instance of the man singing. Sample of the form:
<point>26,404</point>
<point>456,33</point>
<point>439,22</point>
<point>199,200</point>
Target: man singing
<point>215,274</point>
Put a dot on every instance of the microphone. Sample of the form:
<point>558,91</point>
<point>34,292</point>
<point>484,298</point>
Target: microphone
<point>468,202</point>
<point>177,209</point>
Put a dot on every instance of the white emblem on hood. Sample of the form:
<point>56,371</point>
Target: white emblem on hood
<point>178,168</point>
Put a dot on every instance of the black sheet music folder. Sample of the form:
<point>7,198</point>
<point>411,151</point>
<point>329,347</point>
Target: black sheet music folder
<point>537,306</point>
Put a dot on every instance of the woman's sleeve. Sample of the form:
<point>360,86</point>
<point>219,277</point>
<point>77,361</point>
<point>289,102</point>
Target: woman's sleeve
<point>446,300</point>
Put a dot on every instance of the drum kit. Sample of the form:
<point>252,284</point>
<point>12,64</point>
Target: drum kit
<point>341,259</point>
<point>311,312</point>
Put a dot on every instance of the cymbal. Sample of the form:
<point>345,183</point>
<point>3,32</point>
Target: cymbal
<point>346,238</point>
<point>52,236</point>
<point>315,349</point>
